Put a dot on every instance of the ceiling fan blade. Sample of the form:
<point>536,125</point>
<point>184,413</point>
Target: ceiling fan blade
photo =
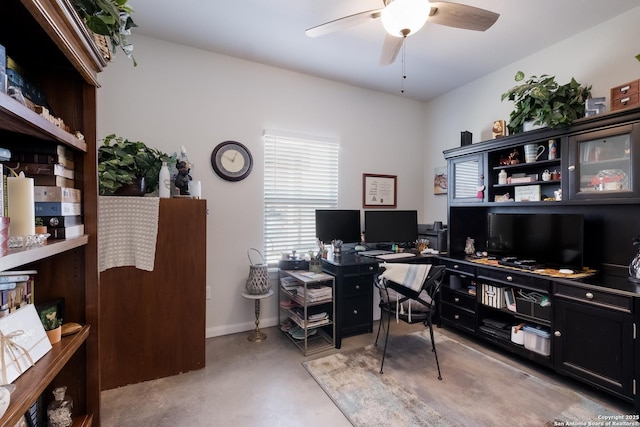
<point>461,16</point>
<point>390,49</point>
<point>343,23</point>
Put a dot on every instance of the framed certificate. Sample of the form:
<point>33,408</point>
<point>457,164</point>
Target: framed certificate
<point>379,191</point>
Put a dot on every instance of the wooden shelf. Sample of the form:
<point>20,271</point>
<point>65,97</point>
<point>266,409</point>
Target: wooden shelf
<point>21,256</point>
<point>31,384</point>
<point>18,118</point>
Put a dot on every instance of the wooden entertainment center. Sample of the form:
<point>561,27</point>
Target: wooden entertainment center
<point>591,320</point>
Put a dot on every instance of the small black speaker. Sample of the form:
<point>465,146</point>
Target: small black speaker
<point>465,138</point>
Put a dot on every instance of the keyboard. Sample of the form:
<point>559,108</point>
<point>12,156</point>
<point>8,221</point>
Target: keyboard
<point>374,253</point>
<point>396,256</point>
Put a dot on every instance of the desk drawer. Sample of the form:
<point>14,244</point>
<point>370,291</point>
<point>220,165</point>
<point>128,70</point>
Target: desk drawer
<point>354,286</point>
<point>459,267</point>
<point>356,314</point>
<point>594,297</point>
<point>458,299</point>
<point>458,316</point>
<point>509,277</point>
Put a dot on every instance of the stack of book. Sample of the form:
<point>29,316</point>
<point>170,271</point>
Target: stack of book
<point>16,290</point>
<point>59,208</point>
<point>58,204</point>
<point>313,293</point>
<point>313,320</point>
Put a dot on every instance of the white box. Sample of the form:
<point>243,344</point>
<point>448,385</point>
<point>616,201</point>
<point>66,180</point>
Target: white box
<point>527,193</point>
<point>537,339</point>
<point>24,328</point>
<point>493,296</point>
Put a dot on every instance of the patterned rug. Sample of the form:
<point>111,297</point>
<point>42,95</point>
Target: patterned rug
<point>476,389</point>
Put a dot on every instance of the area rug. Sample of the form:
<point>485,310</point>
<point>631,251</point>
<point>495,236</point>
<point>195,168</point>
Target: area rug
<point>476,389</point>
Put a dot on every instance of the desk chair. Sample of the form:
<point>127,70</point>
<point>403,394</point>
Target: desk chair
<point>409,293</point>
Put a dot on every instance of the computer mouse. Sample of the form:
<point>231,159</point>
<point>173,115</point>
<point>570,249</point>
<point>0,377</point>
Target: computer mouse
<point>359,248</point>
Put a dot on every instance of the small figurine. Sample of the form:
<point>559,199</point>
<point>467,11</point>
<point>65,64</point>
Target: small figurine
<point>183,177</point>
<point>469,247</point>
<point>514,157</point>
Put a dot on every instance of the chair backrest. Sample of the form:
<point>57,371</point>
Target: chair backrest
<point>434,280</point>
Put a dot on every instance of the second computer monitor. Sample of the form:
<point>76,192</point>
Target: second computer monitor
<point>386,226</point>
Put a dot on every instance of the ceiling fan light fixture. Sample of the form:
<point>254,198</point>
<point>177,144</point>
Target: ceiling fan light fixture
<point>404,17</point>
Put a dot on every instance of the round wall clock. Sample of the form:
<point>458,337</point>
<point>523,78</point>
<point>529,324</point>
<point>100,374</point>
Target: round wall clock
<point>231,161</point>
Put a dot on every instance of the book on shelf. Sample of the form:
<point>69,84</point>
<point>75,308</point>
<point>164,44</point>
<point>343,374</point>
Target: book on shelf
<point>15,276</point>
<point>60,221</point>
<point>3,69</point>
<point>45,158</point>
<point>48,193</point>
<point>66,232</point>
<point>32,169</point>
<point>53,180</point>
<point>58,208</point>
<point>17,145</point>
<point>19,295</point>
<point>3,192</point>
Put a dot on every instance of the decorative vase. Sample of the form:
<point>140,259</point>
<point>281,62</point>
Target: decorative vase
<point>258,280</point>
<point>59,411</point>
<point>55,335</point>
<point>137,188</point>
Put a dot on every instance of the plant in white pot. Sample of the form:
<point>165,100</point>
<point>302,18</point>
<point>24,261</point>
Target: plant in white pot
<point>544,102</point>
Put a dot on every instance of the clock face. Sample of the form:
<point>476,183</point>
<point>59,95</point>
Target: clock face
<point>231,161</point>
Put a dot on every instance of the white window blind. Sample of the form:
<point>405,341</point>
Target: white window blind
<point>300,176</point>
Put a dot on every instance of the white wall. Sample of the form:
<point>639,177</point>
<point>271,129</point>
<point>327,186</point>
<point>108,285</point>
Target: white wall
<point>602,56</point>
<point>182,96</point>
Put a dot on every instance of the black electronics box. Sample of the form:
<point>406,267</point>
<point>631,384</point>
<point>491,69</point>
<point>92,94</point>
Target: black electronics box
<point>465,138</point>
<point>293,264</point>
<point>437,237</point>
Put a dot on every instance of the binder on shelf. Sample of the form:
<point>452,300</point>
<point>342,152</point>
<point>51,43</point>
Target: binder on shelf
<point>58,208</point>
<point>60,221</point>
<point>53,180</point>
<point>47,193</point>
<point>31,169</point>
<point>66,232</point>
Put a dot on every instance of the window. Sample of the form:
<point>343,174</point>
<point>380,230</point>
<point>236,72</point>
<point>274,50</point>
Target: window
<point>300,176</point>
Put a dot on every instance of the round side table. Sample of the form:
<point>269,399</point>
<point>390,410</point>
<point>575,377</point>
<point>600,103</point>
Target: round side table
<point>257,335</point>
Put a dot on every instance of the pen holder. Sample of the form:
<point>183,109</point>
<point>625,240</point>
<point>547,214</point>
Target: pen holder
<point>315,265</point>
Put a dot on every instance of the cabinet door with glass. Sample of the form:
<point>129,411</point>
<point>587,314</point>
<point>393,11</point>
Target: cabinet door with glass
<point>604,164</point>
<point>466,179</point>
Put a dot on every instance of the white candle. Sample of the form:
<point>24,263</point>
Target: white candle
<point>196,189</point>
<point>21,206</point>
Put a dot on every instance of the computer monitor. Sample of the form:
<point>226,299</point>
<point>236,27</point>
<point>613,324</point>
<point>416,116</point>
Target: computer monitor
<point>336,224</point>
<point>385,226</point>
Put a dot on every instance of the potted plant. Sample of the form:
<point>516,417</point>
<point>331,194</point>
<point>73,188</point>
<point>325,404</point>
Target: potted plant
<point>40,227</point>
<point>122,162</point>
<point>52,325</point>
<point>544,102</point>
<point>111,19</point>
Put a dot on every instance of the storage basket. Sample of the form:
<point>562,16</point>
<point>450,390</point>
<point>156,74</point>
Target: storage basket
<point>258,280</point>
<point>537,339</point>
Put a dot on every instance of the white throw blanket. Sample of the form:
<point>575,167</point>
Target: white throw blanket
<point>411,276</point>
<point>127,232</point>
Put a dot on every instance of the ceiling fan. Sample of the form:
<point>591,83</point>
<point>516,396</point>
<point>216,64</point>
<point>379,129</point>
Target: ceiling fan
<point>402,18</point>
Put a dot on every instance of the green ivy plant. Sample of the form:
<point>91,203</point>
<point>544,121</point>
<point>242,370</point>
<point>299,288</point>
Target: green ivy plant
<point>121,161</point>
<point>545,102</point>
<point>109,18</point>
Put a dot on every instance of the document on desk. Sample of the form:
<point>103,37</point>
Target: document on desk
<point>398,255</point>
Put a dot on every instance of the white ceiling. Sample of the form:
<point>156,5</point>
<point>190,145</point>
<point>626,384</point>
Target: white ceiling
<point>437,58</point>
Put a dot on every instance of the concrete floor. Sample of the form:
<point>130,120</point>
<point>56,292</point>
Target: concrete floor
<point>264,384</point>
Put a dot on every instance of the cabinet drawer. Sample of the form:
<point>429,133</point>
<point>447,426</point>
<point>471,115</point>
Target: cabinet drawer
<point>629,100</point>
<point>458,316</point>
<point>514,279</point>
<point>595,297</point>
<point>460,267</point>
<point>625,90</point>
<point>458,299</point>
<point>350,270</point>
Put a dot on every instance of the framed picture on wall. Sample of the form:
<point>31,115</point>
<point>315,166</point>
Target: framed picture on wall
<point>440,180</point>
<point>379,191</point>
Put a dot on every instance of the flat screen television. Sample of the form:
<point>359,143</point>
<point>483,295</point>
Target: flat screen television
<point>553,240</point>
<point>400,227</point>
<point>336,224</point>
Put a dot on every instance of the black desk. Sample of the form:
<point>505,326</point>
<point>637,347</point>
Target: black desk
<point>354,290</point>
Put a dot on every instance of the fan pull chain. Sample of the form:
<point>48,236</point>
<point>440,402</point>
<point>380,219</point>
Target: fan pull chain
<point>404,74</point>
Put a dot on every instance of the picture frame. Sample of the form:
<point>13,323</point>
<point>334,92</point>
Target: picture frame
<point>47,307</point>
<point>440,181</point>
<point>379,191</point>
